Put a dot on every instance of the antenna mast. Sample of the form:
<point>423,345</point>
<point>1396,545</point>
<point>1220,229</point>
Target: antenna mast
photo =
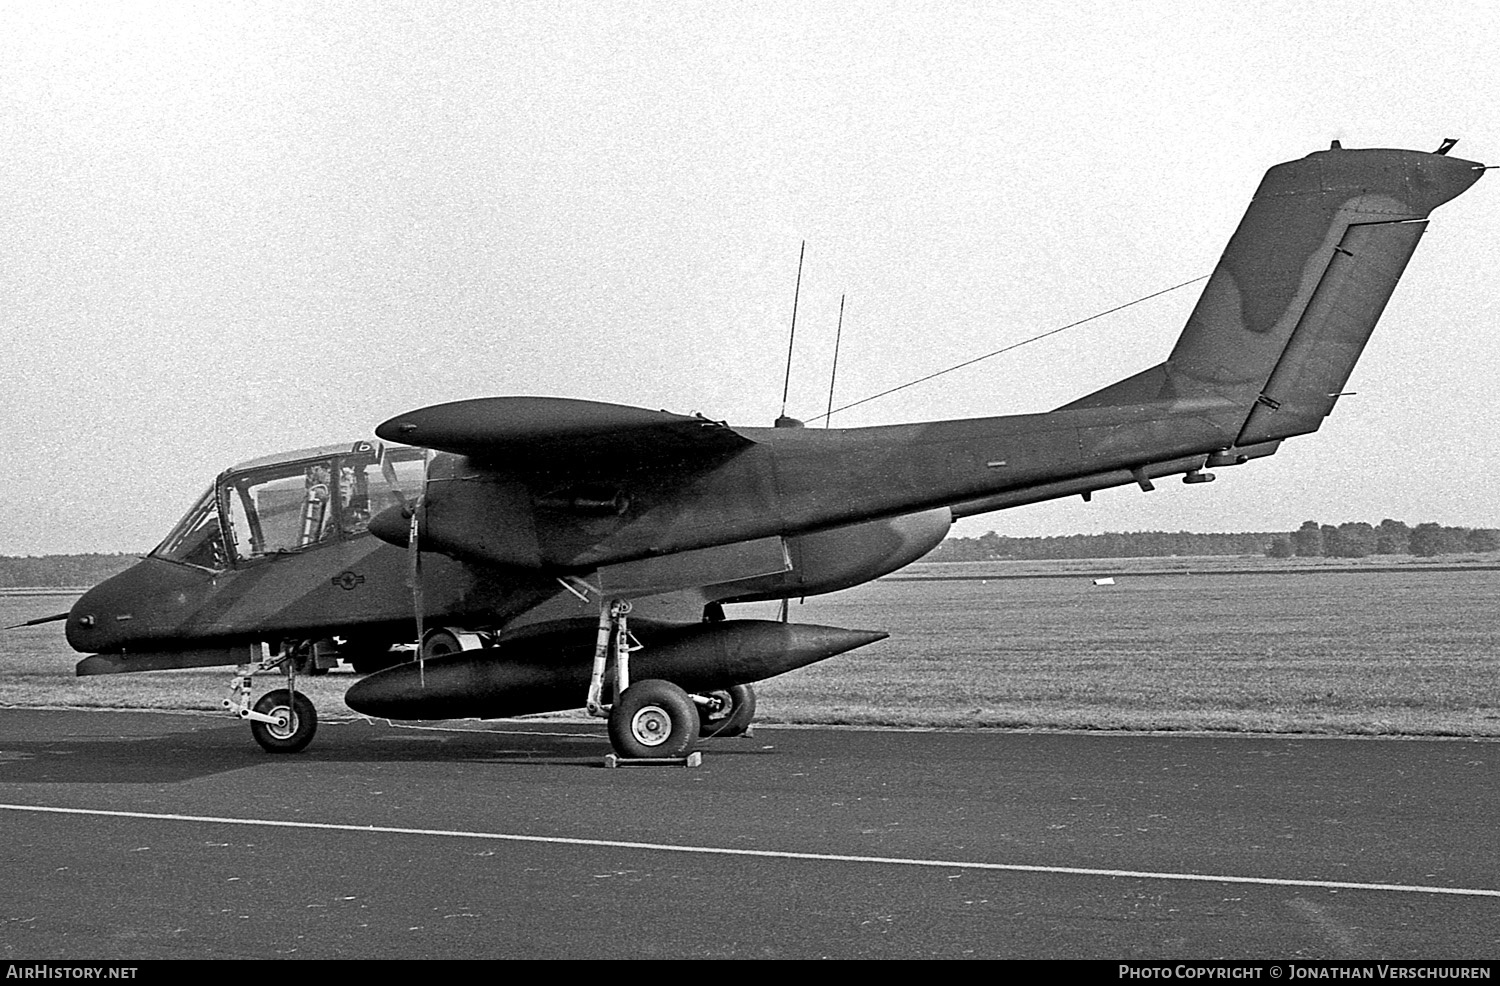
<point>833,376</point>
<point>796,294</point>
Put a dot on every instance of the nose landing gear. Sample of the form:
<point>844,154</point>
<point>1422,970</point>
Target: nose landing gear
<point>294,721</point>
<point>283,721</point>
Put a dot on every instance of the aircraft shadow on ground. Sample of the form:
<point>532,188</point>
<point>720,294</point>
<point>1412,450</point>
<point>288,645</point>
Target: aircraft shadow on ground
<point>182,756</point>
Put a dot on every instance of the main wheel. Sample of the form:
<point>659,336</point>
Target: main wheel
<point>297,721</point>
<point>439,641</point>
<point>735,713</point>
<point>654,719</point>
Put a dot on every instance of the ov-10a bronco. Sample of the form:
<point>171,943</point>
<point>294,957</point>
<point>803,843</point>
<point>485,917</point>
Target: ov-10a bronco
<point>518,532</point>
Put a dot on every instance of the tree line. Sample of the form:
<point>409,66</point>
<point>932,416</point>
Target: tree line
<point>1389,537</point>
<point>61,570</point>
<point>1311,540</point>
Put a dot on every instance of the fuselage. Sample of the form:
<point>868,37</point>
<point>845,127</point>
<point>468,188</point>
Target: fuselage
<point>311,569</point>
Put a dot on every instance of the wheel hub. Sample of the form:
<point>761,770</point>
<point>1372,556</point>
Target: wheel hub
<point>651,726</point>
<point>285,724</point>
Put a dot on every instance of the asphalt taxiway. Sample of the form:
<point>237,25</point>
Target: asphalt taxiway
<point>143,835</point>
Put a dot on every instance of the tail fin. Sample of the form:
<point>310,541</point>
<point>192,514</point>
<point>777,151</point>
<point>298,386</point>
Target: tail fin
<point>1292,302</point>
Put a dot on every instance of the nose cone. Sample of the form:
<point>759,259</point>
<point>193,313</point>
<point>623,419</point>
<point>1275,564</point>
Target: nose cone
<point>91,621</point>
<point>388,694</point>
<point>771,648</point>
<point>445,689</point>
<point>148,601</point>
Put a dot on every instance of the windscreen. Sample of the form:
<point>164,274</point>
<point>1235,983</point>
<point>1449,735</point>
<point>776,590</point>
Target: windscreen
<point>281,509</point>
<point>197,539</point>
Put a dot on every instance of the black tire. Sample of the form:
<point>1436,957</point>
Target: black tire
<point>734,718</point>
<point>298,728</point>
<point>440,641</point>
<point>653,720</point>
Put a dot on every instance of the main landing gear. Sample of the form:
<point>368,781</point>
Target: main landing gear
<point>284,720</point>
<point>726,712</point>
<point>655,721</point>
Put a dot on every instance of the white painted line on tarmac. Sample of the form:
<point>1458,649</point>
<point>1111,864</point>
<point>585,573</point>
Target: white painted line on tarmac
<point>949,864</point>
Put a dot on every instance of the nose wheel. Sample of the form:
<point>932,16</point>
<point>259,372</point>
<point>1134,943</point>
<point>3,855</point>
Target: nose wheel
<point>284,720</point>
<point>294,720</point>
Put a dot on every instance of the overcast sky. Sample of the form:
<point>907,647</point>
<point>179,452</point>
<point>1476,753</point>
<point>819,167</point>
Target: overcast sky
<point>235,229</point>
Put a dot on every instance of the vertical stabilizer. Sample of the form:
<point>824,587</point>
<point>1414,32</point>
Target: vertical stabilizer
<point>1289,307</point>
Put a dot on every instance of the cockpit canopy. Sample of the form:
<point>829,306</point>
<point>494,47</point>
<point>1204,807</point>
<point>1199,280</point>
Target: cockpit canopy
<point>292,502</point>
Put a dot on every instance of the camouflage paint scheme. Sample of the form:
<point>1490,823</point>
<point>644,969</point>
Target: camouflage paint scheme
<point>680,512</point>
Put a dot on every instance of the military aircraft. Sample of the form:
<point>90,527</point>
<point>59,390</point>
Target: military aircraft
<point>519,532</point>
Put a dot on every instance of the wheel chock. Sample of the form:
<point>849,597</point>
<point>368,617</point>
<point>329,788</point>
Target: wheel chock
<point>694,759</point>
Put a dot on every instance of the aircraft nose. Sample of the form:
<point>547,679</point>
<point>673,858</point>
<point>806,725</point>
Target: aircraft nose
<point>144,602</point>
<point>92,625</point>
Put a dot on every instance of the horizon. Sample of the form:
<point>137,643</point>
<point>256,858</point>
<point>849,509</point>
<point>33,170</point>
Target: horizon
<point>950,537</point>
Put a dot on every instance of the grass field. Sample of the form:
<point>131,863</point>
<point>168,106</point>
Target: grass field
<point>1410,652</point>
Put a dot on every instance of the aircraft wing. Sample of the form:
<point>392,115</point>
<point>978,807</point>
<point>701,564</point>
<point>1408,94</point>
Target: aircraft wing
<point>542,433</point>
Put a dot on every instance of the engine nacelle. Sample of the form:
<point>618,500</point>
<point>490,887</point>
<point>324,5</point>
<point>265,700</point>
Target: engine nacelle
<point>840,557</point>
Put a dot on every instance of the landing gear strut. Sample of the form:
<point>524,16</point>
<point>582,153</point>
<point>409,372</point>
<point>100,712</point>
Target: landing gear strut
<point>650,720</point>
<point>283,721</point>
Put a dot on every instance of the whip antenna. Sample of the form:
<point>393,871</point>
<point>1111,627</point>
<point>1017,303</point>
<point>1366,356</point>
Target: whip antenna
<point>834,375</point>
<point>796,294</point>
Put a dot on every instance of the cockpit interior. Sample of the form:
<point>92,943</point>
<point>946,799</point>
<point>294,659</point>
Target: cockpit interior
<point>293,502</point>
